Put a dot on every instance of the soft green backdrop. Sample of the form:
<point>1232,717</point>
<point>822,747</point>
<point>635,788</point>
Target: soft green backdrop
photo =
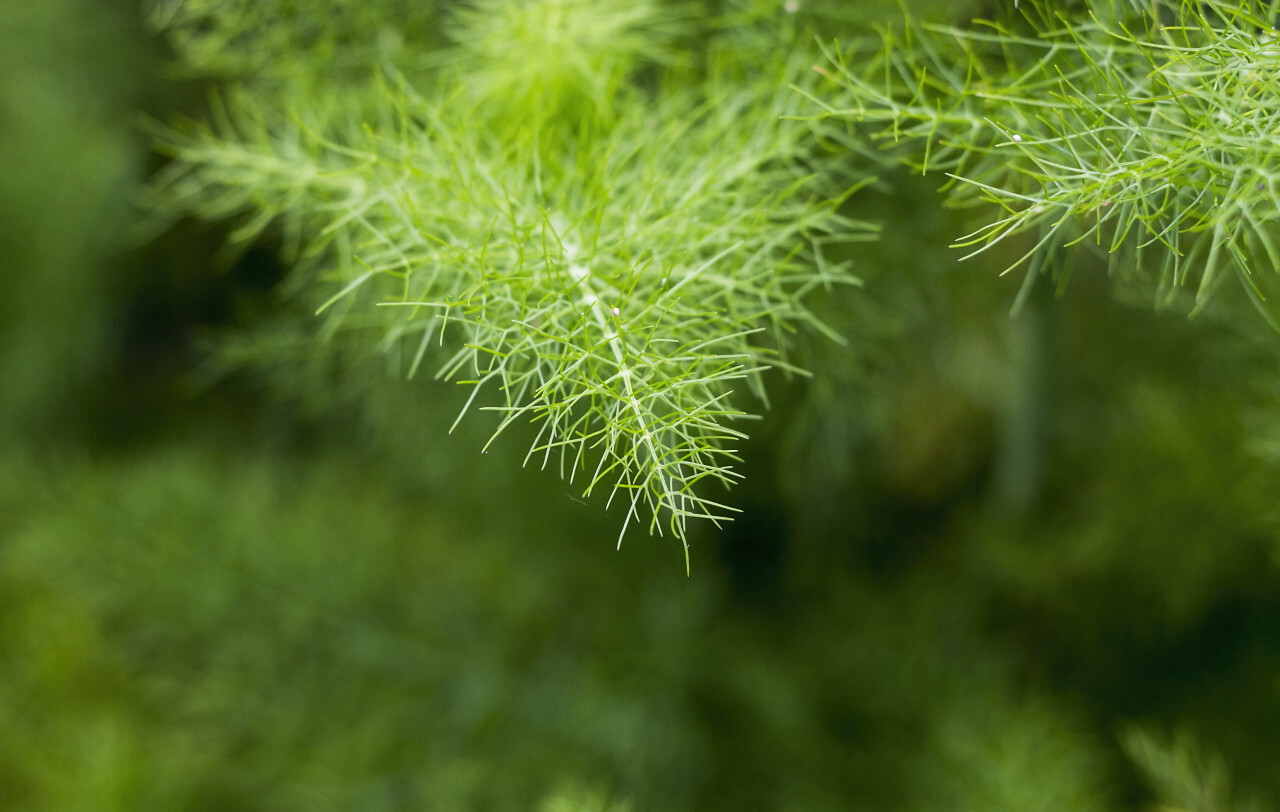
<point>985,563</point>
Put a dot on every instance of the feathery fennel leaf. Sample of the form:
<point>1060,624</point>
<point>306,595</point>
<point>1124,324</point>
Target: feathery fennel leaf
<point>1149,130</point>
<point>618,278</point>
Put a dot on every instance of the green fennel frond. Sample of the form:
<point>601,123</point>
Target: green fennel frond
<point>617,277</point>
<point>1150,130</point>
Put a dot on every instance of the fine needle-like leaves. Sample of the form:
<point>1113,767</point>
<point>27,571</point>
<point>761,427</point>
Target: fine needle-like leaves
<point>1128,126</point>
<point>617,271</point>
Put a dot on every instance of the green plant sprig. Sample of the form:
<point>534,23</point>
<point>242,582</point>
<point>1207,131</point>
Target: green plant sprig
<point>616,287</point>
<point>1113,128</point>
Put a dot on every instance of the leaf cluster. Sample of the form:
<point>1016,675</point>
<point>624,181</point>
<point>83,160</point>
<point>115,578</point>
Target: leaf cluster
<point>607,255</point>
<point>1148,130</point>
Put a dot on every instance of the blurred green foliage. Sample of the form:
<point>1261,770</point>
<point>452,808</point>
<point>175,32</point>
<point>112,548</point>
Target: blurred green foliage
<point>986,563</point>
<point>72,75</point>
<point>193,628</point>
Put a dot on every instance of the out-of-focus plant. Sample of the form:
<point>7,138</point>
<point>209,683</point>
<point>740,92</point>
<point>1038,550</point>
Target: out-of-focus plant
<point>284,47</point>
<point>1184,776</point>
<point>331,644</point>
<point>69,86</point>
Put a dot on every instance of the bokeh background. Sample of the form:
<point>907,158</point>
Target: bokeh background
<point>985,562</point>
